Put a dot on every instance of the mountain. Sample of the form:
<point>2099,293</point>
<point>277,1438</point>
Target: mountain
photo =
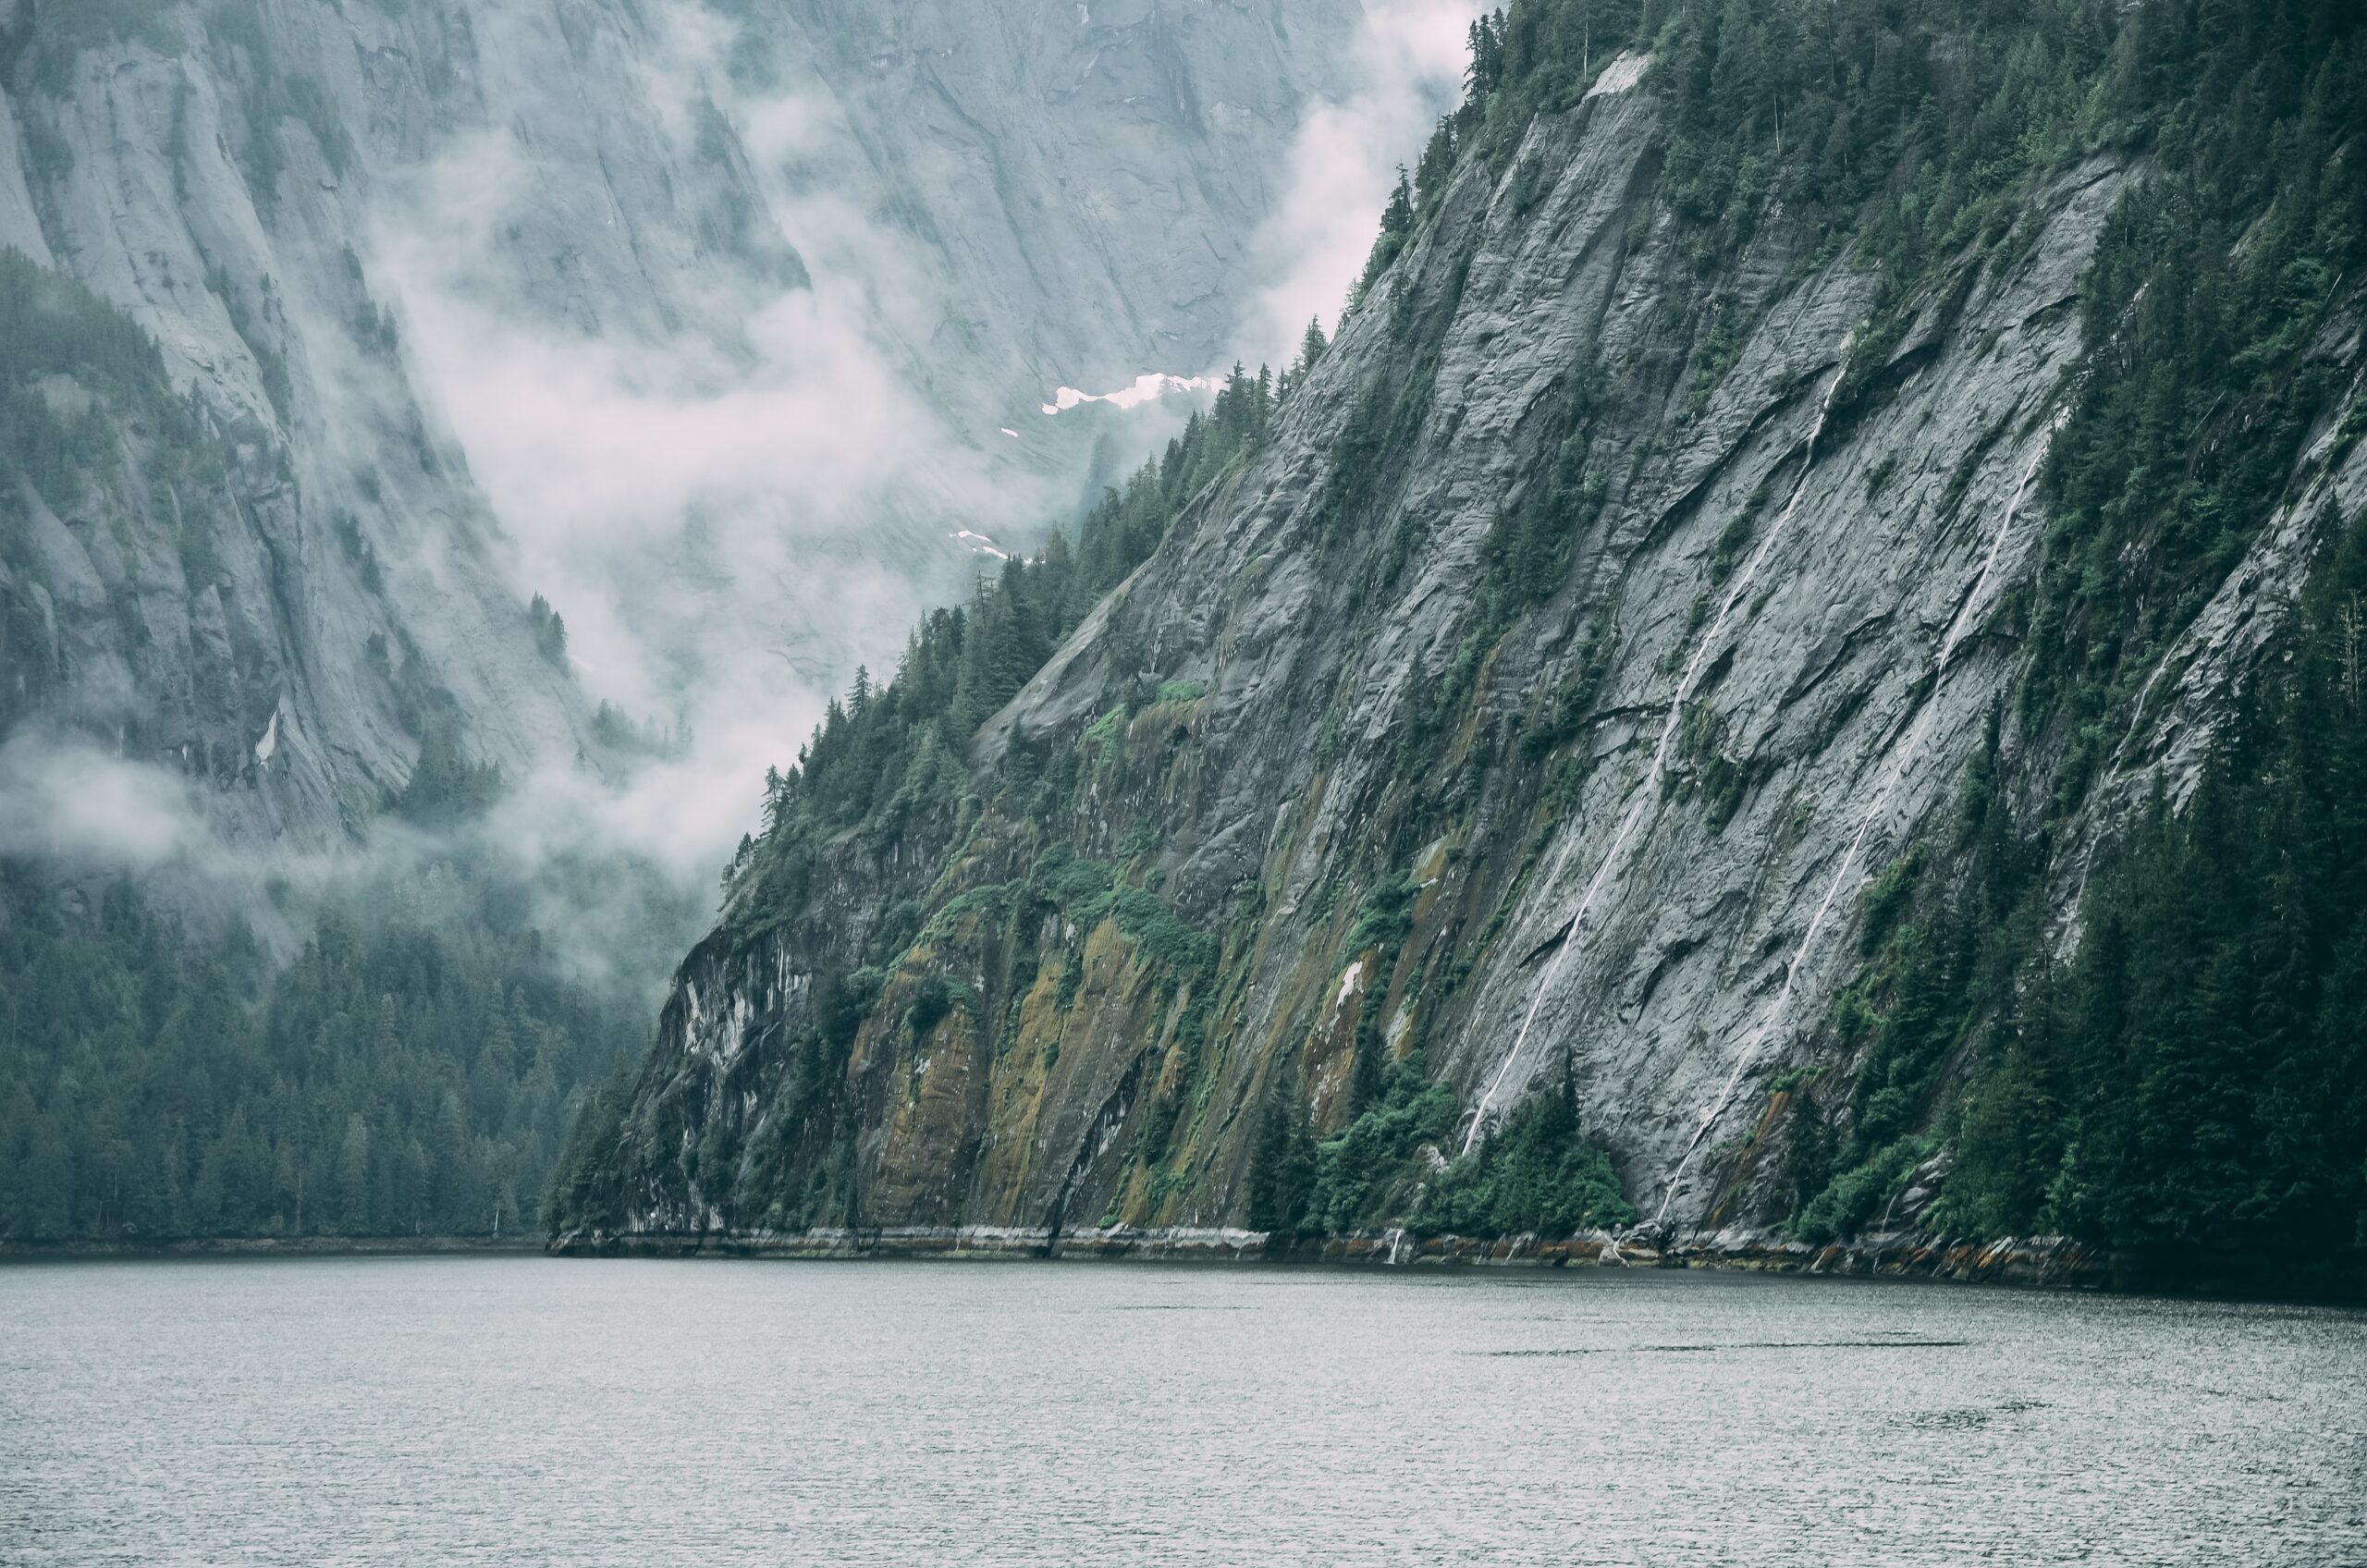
<point>285,197</point>
<point>1790,674</point>
<point>428,424</point>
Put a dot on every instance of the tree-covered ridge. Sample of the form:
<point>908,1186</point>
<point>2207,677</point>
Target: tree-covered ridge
<point>1900,127</point>
<point>892,750</point>
<point>1923,109</point>
<point>887,775</point>
<point>411,1072</point>
<point>1906,132</point>
<point>2197,1069</point>
<point>2205,315</point>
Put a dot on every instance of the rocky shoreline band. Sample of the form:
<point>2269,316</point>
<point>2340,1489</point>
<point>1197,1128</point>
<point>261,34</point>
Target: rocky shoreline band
<point>2037,1262</point>
<point>2044,1262</point>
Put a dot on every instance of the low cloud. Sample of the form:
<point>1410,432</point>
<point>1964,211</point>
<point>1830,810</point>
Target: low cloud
<point>741,493</point>
<point>1410,60</point>
<point>734,499</point>
<point>70,802</point>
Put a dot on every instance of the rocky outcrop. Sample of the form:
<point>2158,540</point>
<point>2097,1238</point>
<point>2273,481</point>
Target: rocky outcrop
<point>1631,799</point>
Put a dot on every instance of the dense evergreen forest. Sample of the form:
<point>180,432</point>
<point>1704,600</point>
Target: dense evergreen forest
<point>2196,1071</point>
<point>409,1072</point>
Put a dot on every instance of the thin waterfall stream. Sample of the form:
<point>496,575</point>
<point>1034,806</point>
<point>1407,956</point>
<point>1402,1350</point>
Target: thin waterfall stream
<point>1900,761</point>
<point>1647,799</point>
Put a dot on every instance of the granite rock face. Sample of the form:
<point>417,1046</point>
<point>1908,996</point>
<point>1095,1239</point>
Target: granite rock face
<point>1070,195</point>
<point>1639,821</point>
<point>1084,178</point>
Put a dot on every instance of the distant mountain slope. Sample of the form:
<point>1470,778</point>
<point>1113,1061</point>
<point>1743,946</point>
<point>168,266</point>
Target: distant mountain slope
<point>255,182</point>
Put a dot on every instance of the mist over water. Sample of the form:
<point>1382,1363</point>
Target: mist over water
<point>477,1410</point>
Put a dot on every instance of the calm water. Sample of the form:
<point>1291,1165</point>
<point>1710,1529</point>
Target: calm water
<point>525,1411</point>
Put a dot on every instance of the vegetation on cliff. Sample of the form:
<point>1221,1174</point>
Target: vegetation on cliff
<point>1537,1173</point>
<point>896,750</point>
<point>888,769</point>
<point>2147,1089</point>
<point>1909,138</point>
<point>2195,1070</point>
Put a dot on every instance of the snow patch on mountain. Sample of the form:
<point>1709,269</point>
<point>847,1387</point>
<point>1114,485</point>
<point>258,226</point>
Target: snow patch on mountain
<point>1145,389</point>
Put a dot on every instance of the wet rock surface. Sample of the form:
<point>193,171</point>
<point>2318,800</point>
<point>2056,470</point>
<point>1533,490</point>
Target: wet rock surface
<point>1785,610</point>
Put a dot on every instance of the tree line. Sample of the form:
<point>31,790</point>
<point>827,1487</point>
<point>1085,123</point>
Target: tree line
<point>410,1072</point>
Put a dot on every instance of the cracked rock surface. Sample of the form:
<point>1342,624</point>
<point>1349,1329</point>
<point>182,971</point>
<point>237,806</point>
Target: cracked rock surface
<point>1793,594</point>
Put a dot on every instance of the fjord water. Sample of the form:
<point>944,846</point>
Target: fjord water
<point>525,1411</point>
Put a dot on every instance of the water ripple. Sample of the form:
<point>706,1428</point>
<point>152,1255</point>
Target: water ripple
<point>516,1410</point>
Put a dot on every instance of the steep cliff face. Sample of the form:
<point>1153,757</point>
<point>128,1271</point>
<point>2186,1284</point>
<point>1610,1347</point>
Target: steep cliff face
<point>1601,615</point>
<point>250,618</point>
<point>264,562</point>
<point>1084,179</point>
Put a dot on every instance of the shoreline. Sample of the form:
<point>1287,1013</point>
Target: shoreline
<point>273,1246</point>
<point>2034,1263</point>
<point>2050,1263</point>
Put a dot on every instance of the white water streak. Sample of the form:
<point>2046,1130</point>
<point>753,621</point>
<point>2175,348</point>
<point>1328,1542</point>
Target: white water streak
<point>1648,797</point>
<point>1900,761</point>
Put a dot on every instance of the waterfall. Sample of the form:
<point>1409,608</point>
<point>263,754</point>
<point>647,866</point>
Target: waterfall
<point>1900,761</point>
<point>1648,797</point>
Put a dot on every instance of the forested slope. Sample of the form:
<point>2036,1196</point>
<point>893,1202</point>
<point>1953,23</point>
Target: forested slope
<point>1785,672</point>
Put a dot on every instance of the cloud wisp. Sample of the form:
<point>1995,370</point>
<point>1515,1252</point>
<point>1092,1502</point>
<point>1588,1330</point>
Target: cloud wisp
<point>734,497</point>
<point>1410,59</point>
<point>69,800</point>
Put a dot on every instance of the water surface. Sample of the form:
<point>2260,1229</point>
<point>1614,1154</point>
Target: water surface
<point>527,1411</point>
